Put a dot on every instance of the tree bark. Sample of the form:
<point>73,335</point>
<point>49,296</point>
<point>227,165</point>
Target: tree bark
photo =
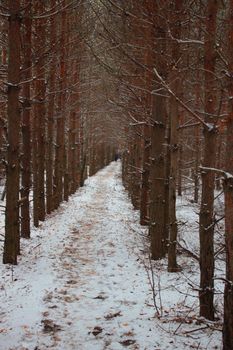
<point>40,109</point>
<point>50,116</point>
<point>144,202</point>
<point>206,223</point>
<point>11,243</point>
<point>26,122</point>
<point>174,146</point>
<point>39,112</point>
<point>228,191</point>
<point>157,169</point>
<point>60,164</point>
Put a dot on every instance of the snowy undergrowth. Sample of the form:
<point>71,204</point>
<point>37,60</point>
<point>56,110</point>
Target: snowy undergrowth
<point>82,282</point>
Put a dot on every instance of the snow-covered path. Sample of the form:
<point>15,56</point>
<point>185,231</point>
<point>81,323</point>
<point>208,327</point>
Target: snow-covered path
<point>99,279</point>
<point>80,283</point>
<point>80,277</point>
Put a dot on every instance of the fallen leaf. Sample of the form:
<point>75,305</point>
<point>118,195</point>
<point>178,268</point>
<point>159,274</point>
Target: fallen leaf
<point>3,330</point>
<point>110,316</point>
<point>97,330</point>
<point>129,334</point>
<point>101,297</point>
<point>71,282</point>
<point>127,342</point>
<point>50,326</point>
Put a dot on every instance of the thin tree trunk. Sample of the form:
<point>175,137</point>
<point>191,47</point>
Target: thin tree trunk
<point>35,169</point>
<point>174,148</point>
<point>38,134</point>
<point>206,223</point>
<point>60,164</point>
<point>166,185</point>
<point>66,54</point>
<point>40,109</point>
<point>26,124</point>
<point>228,190</point>
<point>144,207</point>
<point>66,174</point>
<point>218,162</point>
<point>50,118</point>
<point>172,263</point>
<point>82,153</point>
<point>11,244</point>
<point>72,151</point>
<point>197,164</point>
<point>180,163</point>
<point>144,202</point>
<point>157,169</point>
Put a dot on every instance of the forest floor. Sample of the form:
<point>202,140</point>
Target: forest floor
<point>84,281</point>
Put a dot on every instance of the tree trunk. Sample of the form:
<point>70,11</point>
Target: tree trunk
<point>174,147</point>
<point>228,291</point>
<point>172,263</point>
<point>144,208</point>
<point>72,151</point>
<point>26,124</point>
<point>11,244</point>
<point>180,164</point>
<point>197,164</point>
<point>228,190</point>
<point>157,170</point>
<point>60,165</point>
<point>197,139</point>
<point>50,117</point>
<point>66,52</point>
<point>144,202</point>
<point>206,223</point>
<point>35,169</point>
<point>40,107</point>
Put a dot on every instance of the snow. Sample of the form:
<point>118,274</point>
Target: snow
<point>84,281</point>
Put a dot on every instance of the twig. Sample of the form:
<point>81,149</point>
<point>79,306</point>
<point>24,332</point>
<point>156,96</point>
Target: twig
<point>164,84</point>
<point>193,255</point>
<point>152,283</point>
<point>197,329</point>
<point>224,173</point>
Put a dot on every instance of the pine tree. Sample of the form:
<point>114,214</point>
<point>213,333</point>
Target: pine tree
<point>12,227</point>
